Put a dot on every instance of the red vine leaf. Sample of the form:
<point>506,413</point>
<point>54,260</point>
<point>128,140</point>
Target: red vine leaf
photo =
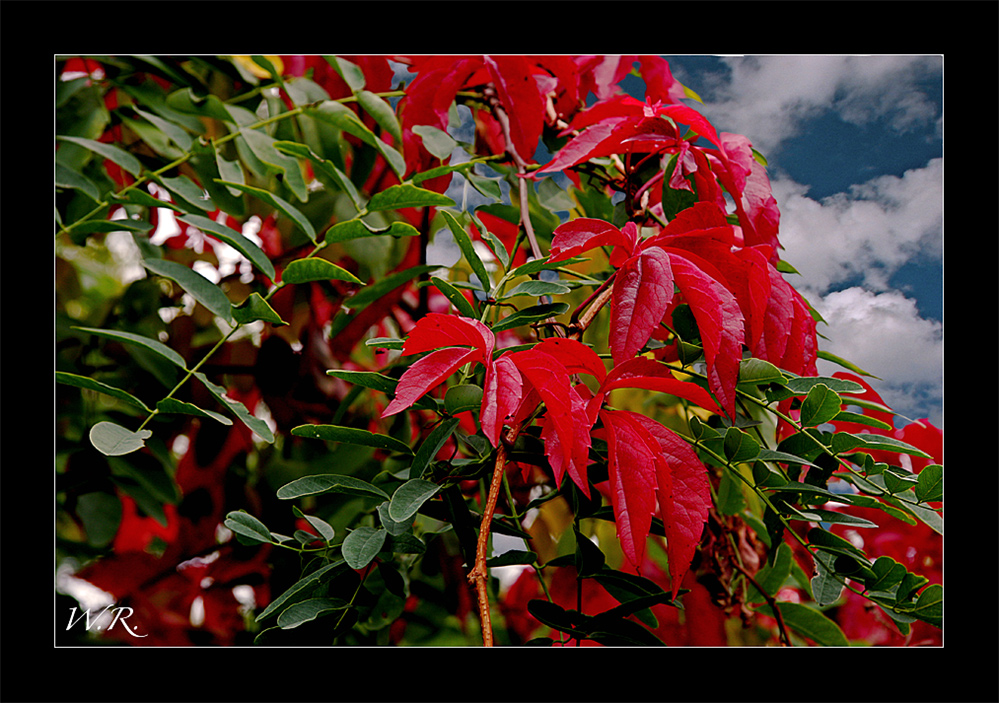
<point>641,294</point>
<point>427,373</point>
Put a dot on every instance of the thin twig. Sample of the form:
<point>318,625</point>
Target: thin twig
<point>771,601</point>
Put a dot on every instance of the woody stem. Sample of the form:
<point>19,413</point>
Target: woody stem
<point>479,575</point>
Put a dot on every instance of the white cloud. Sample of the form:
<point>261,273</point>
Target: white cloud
<point>868,233</point>
<point>883,334</point>
<point>768,97</point>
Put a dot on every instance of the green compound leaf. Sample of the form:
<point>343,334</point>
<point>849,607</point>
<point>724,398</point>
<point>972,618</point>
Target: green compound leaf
<point>314,269</point>
<point>352,435</point>
<point>200,288</point>
<point>111,439</point>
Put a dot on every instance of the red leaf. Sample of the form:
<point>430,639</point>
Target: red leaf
<point>436,330</point>
<point>719,320</point>
<point>427,373</point>
<point>551,382</point>
<point>651,375</point>
<point>501,397</point>
<point>684,497</point>
<point>522,100</point>
<point>575,356</point>
<point>641,294</point>
<point>572,459</point>
<point>634,464</point>
<point>585,233</point>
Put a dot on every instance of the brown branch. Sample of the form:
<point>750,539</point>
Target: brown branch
<point>771,601</point>
<point>479,575</point>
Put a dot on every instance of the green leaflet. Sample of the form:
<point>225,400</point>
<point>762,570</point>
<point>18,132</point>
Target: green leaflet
<point>203,290</point>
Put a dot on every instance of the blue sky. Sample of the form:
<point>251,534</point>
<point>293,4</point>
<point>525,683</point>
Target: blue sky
<point>855,152</point>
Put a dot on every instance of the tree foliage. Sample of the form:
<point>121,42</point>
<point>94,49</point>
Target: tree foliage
<point>454,350</point>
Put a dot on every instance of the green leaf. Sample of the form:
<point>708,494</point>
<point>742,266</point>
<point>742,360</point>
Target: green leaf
<point>850,366</point>
<point>359,229</point>
<point>325,170</point>
<point>258,426</point>
<point>256,308</point>
<point>329,483</point>
<point>811,623</point>
<point>431,445</point>
<point>832,517</point>
<point>929,486</point>
<point>234,239</point>
<point>757,372</point>
<point>929,606</point>
<point>535,313</point>
<point>845,442</point>
<point>352,435</point>
<point>262,146</point>
<point>316,269</point>
<point>324,529</point>
<point>114,440</point>
<point>349,71</point>
<point>382,113</point>
<point>362,545</point>
<point>309,609</point>
<point>436,141</point>
<point>739,446</point>
<point>408,498</point>
<point>344,118</point>
<point>186,193</point>
<point>821,405</point>
<point>200,288</point>
<point>537,289</point>
<point>303,586</point>
<point>279,204</point>
<point>845,416</point>
<point>65,177</point>
<point>150,344</point>
<point>70,379</point>
<point>801,385</point>
<point>242,523</point>
<point>107,151</point>
<point>456,297</point>
<point>464,243</point>
<point>461,398</point>
<point>366,379</point>
<point>172,405</point>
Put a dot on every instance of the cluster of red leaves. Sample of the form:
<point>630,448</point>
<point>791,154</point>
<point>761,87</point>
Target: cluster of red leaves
<point>725,273</point>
